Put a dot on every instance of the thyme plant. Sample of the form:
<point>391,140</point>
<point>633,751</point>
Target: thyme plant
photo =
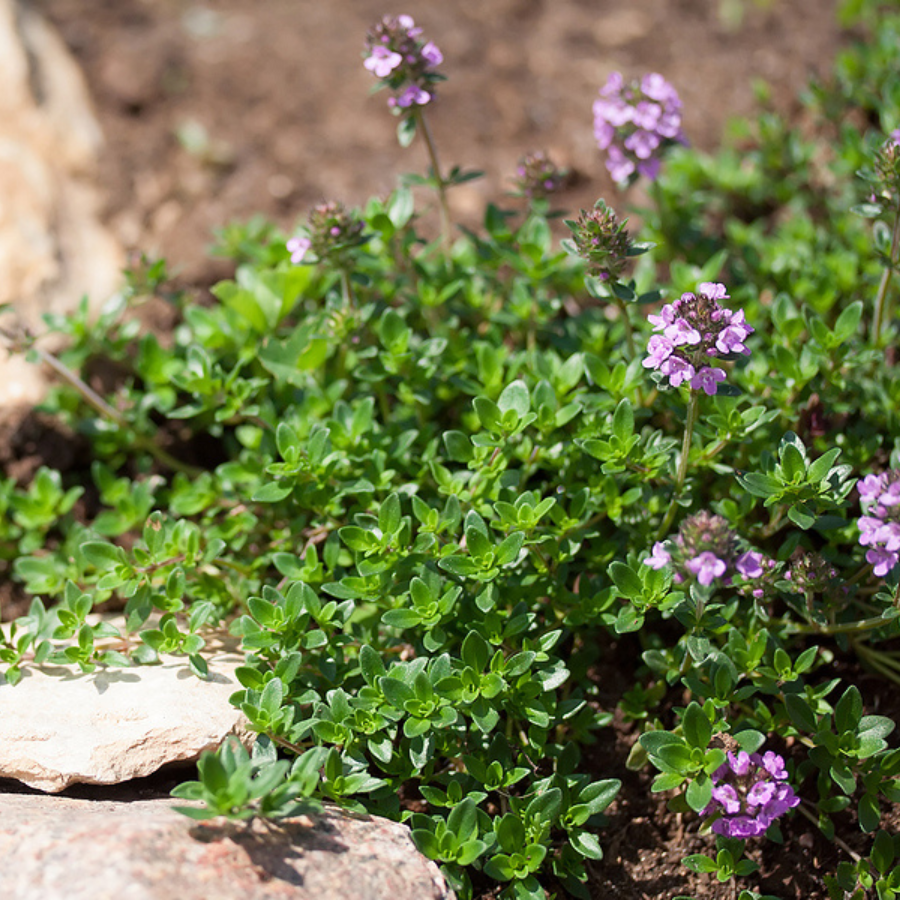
<point>429,483</point>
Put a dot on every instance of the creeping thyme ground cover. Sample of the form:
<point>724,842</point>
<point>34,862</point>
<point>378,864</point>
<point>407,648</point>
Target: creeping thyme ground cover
<point>445,472</point>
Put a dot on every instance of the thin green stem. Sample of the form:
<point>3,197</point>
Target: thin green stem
<point>883,663</point>
<point>626,321</point>
<point>438,177</point>
<point>110,412</point>
<point>840,843</point>
<point>693,411</point>
<point>880,304</point>
<point>842,628</point>
<point>629,339</point>
<point>347,290</point>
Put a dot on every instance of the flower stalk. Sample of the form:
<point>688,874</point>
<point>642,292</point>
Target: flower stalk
<point>887,275</point>
<point>92,398</point>
<point>439,181</point>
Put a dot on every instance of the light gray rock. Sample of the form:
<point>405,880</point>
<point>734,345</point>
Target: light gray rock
<point>60,727</point>
<point>53,247</point>
<point>54,848</point>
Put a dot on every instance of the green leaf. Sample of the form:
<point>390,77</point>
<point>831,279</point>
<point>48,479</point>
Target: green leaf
<point>701,863</point>
<point>626,580</point>
<point>600,794</point>
<point>848,321</point>
<point>699,793</point>
<point>488,414</point>
<point>652,741</point>
<point>510,833</point>
<point>801,517</point>
<point>696,726</point>
<point>463,820</point>
<point>406,131</point>
<point>475,652</point>
<point>389,514</point>
<point>760,485</point>
<point>515,396</point>
<point>401,618</point>
<point>883,852</point>
<point>623,420</point>
<point>290,360</point>
<point>459,446</point>
<point>272,492</point>
<point>667,781</point>
<point>848,710</point>
<point>819,469</point>
<point>586,844</point>
<point>793,463</point>
<point>869,812</point>
<point>508,550</point>
<point>459,565</point>
<point>102,556</point>
<point>396,692</point>
<point>801,714</point>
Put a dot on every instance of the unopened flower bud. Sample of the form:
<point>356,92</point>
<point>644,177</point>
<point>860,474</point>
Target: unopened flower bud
<point>537,176</point>
<point>601,241</point>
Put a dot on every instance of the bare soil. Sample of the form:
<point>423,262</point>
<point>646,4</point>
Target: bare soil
<point>218,111</point>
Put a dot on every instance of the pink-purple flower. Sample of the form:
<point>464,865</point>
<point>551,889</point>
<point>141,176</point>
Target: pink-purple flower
<point>382,61</point>
<point>750,564</point>
<point>707,379</point>
<point>707,567</point>
<point>707,549</point>
<point>659,558</point>
<point>695,330</point>
<point>298,248</point>
<point>403,62</point>
<point>749,792</point>
<point>332,233</point>
<point>635,122</point>
<point>879,526</point>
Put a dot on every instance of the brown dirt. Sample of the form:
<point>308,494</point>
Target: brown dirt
<point>278,88</point>
<point>278,104</point>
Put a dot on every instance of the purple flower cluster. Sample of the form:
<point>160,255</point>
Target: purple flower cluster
<point>887,170</point>
<point>749,792</point>
<point>635,122</point>
<point>331,234</point>
<point>537,176</point>
<point>707,549</point>
<point>879,526</point>
<point>810,574</point>
<point>403,62</point>
<point>695,330</point>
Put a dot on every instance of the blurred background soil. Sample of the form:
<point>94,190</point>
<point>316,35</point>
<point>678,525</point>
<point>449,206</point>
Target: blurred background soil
<point>216,111</point>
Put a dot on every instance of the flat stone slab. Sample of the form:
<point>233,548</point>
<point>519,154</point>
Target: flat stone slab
<point>54,847</point>
<point>60,727</point>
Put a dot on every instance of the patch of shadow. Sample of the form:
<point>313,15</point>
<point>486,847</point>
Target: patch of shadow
<point>156,786</point>
<point>105,677</point>
<point>273,846</point>
<point>184,672</point>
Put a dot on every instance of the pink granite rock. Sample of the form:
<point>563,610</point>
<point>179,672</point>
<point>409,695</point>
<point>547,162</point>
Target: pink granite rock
<point>53,848</point>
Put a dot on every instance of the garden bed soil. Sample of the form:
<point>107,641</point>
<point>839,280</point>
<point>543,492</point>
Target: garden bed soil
<point>217,112</point>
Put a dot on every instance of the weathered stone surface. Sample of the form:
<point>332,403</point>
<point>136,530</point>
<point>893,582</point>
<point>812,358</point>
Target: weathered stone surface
<point>53,848</point>
<point>60,727</point>
<point>53,248</point>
